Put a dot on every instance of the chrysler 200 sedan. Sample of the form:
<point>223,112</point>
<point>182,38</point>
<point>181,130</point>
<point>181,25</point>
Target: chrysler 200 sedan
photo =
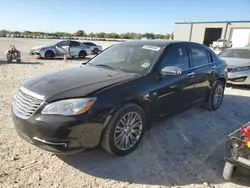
<point>111,100</point>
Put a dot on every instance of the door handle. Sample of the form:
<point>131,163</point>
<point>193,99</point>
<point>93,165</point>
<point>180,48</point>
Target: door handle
<point>191,74</point>
<point>213,67</point>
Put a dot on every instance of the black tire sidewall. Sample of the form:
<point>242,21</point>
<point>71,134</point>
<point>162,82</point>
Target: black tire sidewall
<point>114,121</point>
<point>82,54</point>
<point>49,52</point>
<point>96,51</point>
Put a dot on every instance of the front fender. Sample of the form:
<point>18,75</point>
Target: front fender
<point>43,50</point>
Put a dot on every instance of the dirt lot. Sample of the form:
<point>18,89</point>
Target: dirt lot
<point>185,150</point>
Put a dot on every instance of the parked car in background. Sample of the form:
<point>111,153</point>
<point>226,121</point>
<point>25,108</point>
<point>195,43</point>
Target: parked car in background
<point>93,47</point>
<point>222,44</point>
<point>113,98</point>
<point>238,62</point>
<point>65,47</point>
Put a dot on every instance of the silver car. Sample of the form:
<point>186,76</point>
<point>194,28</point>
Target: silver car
<point>238,63</point>
<point>65,47</point>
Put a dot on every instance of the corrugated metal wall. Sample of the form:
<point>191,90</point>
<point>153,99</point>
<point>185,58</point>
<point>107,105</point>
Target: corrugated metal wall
<point>182,30</point>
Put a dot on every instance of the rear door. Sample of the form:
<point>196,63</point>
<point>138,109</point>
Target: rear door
<point>74,48</point>
<point>203,68</point>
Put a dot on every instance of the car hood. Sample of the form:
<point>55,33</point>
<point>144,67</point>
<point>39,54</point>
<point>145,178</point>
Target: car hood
<point>236,62</point>
<point>76,81</point>
<point>42,46</point>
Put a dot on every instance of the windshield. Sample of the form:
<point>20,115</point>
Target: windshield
<point>236,53</point>
<point>137,58</point>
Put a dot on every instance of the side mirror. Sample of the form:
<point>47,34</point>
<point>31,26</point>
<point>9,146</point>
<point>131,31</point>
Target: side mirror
<point>171,70</point>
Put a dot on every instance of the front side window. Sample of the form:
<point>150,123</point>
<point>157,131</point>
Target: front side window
<point>131,57</point>
<point>176,56</point>
<point>199,56</point>
<point>63,44</point>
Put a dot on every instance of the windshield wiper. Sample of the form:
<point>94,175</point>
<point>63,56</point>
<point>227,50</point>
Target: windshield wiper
<point>107,66</point>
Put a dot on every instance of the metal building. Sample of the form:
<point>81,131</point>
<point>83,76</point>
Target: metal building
<point>206,32</point>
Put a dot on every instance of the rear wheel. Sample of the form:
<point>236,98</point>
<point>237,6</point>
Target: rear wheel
<point>49,54</point>
<point>96,51</point>
<point>82,54</point>
<point>125,130</point>
<point>215,96</point>
<point>228,171</point>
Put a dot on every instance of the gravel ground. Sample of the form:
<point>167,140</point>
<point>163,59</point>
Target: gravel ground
<point>185,150</point>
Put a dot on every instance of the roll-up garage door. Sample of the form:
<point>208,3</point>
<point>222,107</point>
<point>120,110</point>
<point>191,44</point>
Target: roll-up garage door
<point>240,37</point>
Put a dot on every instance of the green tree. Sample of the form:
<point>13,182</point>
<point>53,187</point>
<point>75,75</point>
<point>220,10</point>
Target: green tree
<point>80,33</point>
<point>172,35</point>
<point>167,36</point>
<point>92,35</point>
<point>100,35</point>
<point>4,32</point>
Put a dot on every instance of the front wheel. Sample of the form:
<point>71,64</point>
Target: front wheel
<point>215,96</point>
<point>49,54</point>
<point>125,130</point>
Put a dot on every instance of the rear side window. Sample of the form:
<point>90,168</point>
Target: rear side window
<point>74,43</point>
<point>199,56</point>
<point>177,56</point>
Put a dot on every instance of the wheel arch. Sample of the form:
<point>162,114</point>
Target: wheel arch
<point>145,105</point>
<point>48,50</point>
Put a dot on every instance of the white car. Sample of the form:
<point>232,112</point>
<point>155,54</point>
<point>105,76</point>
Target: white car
<point>222,44</point>
<point>65,47</point>
<point>93,47</point>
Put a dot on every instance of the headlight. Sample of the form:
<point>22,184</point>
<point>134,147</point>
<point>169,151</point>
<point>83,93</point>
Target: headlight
<point>240,69</point>
<point>69,107</point>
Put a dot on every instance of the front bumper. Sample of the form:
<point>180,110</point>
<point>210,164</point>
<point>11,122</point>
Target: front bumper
<point>239,78</point>
<point>59,134</point>
<point>35,53</point>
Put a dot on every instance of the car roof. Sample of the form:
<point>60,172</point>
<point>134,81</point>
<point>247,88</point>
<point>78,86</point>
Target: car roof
<point>158,42</point>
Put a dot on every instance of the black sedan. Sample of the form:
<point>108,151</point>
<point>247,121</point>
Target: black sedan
<point>112,99</point>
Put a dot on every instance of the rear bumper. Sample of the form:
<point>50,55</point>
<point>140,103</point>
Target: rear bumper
<point>239,78</point>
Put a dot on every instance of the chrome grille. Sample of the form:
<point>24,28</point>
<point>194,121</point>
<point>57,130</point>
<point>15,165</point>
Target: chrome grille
<point>26,103</point>
<point>230,69</point>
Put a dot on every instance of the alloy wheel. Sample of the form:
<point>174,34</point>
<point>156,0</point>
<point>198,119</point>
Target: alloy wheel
<point>128,131</point>
<point>218,95</point>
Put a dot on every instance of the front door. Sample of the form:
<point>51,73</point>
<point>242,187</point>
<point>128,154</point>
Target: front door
<point>62,48</point>
<point>175,91</point>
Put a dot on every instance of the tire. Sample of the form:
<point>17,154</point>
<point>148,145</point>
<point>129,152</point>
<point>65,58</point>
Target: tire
<point>82,54</point>
<point>96,51</point>
<point>18,60</point>
<point>115,123</point>
<point>49,54</point>
<point>209,103</point>
<point>228,171</point>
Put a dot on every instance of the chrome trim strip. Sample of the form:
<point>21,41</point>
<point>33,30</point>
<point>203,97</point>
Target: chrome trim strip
<point>31,93</point>
<point>51,143</point>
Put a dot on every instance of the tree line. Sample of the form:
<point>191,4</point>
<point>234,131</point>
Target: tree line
<point>81,33</point>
